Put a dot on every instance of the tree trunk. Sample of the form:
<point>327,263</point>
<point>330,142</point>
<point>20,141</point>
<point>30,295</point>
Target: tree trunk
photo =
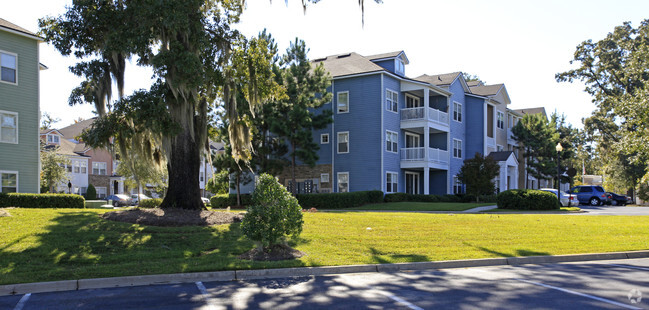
<point>183,167</point>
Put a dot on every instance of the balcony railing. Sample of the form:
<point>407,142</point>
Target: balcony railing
<point>420,154</point>
<point>419,113</point>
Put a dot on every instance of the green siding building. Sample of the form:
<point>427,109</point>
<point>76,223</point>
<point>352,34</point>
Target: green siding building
<point>19,109</point>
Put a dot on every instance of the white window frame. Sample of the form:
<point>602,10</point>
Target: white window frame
<point>457,151</point>
<point>16,68</point>
<point>500,120</point>
<point>76,166</point>
<point>17,179</point>
<point>457,111</point>
<point>414,99</point>
<point>99,189</point>
<point>15,115</point>
<point>339,183</point>
<point>394,181</point>
<point>99,169</point>
<point>324,178</point>
<point>499,148</point>
<point>391,104</point>
<point>458,187</point>
<point>338,110</point>
<point>399,66</point>
<point>391,146</point>
<point>338,142</point>
<point>83,167</point>
<point>50,139</point>
<point>323,137</point>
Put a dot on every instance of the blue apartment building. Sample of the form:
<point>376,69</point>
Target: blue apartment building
<point>399,134</point>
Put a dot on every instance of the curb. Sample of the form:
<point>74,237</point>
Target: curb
<point>256,274</point>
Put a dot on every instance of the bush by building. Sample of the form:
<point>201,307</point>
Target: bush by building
<point>23,200</point>
<point>527,199</point>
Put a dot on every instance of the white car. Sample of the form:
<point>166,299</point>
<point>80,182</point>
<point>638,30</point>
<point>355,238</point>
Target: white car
<point>135,199</point>
<point>206,201</point>
<point>567,200</point>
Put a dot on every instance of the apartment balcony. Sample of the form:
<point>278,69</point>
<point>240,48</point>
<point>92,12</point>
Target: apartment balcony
<point>510,137</point>
<point>417,157</point>
<point>424,117</point>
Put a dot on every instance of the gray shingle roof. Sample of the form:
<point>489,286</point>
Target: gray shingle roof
<point>72,131</point>
<point>11,26</point>
<point>347,64</point>
<point>439,79</point>
<point>501,156</point>
<point>384,55</point>
<point>474,83</point>
<point>531,111</point>
<point>486,90</point>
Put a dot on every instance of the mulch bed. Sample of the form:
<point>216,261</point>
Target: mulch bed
<point>272,253</point>
<point>173,217</point>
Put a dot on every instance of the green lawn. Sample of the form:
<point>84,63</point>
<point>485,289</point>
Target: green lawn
<point>47,245</point>
<point>562,209</point>
<point>423,206</point>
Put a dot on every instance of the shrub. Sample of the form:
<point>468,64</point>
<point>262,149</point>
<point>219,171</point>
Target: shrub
<point>396,197</point>
<point>22,200</point>
<point>150,203</point>
<point>524,199</point>
<point>91,193</point>
<point>339,200</point>
<point>222,201</point>
<point>273,215</point>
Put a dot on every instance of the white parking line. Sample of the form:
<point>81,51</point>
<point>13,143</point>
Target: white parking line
<point>580,294</point>
<point>206,296</point>
<point>22,301</point>
<point>397,299</point>
<point>630,267</point>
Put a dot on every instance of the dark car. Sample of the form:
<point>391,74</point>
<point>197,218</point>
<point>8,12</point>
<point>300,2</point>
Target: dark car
<point>593,195</point>
<point>119,200</point>
<point>618,200</point>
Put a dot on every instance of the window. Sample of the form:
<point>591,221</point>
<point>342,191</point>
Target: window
<point>399,66</point>
<point>412,102</point>
<point>457,112</point>
<point>101,192</point>
<point>500,120</point>
<point>391,183</point>
<point>324,178</point>
<point>201,177</point>
<point>8,67</point>
<point>8,127</point>
<point>76,166</point>
<point>391,101</point>
<point>343,142</point>
<point>391,141</point>
<point>457,148</point>
<point>499,148</point>
<point>99,168</point>
<point>343,102</point>
<point>8,182</point>
<point>324,138</point>
<point>458,187</point>
<point>83,167</point>
<point>343,182</point>
<point>53,139</point>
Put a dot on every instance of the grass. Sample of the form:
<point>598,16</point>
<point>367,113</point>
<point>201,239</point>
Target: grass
<point>562,209</point>
<point>423,206</point>
<point>48,245</point>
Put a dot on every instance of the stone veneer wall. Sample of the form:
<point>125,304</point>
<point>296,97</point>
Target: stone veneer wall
<point>305,172</point>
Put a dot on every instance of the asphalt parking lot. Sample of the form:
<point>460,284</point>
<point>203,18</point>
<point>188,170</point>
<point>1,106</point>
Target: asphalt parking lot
<point>614,284</point>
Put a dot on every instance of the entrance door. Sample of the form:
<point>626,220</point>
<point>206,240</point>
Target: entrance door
<point>412,183</point>
<point>412,140</point>
<point>413,102</point>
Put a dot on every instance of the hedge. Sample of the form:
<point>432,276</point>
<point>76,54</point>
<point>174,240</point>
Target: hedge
<point>527,199</point>
<point>22,200</point>
<point>399,197</point>
<point>150,203</point>
<point>221,201</point>
<point>339,200</point>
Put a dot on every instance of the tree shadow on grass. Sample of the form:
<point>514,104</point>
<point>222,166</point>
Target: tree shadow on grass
<point>518,252</point>
<point>385,258</point>
<point>77,245</point>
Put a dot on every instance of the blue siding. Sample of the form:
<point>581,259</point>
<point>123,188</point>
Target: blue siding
<point>388,64</point>
<point>392,122</point>
<point>324,153</point>
<point>457,129</point>
<point>363,122</point>
<point>475,126</point>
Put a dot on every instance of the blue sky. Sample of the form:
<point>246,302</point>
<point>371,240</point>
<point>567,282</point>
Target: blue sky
<point>519,43</point>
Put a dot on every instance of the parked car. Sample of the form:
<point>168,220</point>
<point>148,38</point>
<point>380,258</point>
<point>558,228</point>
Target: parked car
<point>593,195</point>
<point>567,200</point>
<point>618,200</point>
<point>119,200</point>
<point>135,199</point>
<point>206,201</point>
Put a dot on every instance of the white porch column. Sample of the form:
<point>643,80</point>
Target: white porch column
<point>426,180</point>
<point>426,103</point>
<point>426,144</point>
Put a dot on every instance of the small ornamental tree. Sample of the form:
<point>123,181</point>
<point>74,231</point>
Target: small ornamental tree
<point>91,193</point>
<point>478,174</point>
<point>273,215</point>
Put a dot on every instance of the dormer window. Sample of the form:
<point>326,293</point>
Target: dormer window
<point>53,139</point>
<point>399,66</point>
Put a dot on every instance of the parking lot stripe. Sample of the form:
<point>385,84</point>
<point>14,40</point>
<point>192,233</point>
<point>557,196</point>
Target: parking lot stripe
<point>581,294</point>
<point>21,303</point>
<point>630,267</point>
<point>397,299</point>
<point>206,295</point>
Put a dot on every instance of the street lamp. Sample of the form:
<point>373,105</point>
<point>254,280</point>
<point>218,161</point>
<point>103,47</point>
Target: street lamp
<point>559,148</point>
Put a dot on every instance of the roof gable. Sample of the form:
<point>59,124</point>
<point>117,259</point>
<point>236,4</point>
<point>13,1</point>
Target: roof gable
<point>390,55</point>
<point>13,28</point>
